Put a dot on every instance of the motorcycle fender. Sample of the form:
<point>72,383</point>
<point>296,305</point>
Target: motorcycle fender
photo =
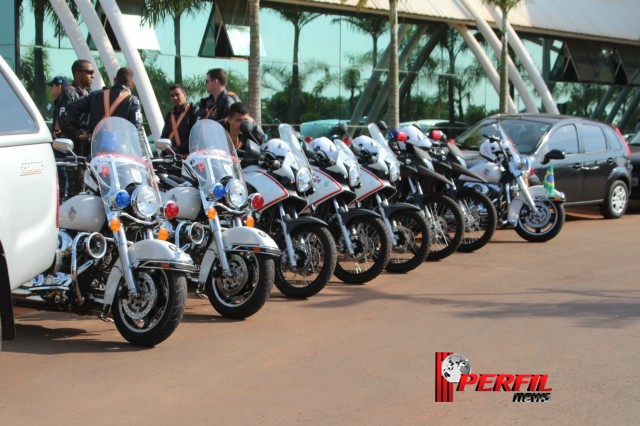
<point>353,213</point>
<point>539,192</point>
<point>394,207</point>
<point>514,210</point>
<point>237,239</point>
<point>423,171</point>
<point>249,239</point>
<point>293,223</point>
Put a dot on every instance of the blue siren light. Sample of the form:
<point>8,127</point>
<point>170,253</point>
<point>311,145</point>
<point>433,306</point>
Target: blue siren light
<point>218,191</point>
<point>122,199</point>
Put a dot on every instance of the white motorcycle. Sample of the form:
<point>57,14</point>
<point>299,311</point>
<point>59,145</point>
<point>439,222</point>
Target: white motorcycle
<point>141,286</point>
<point>215,224</point>
<point>536,213</point>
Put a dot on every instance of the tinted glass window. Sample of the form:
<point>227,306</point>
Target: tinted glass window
<point>14,117</point>
<point>525,134</point>
<point>565,139</point>
<point>593,139</point>
<point>473,138</point>
<point>615,142</point>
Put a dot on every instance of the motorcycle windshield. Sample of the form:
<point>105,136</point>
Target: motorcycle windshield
<point>346,154</point>
<point>212,153</point>
<point>117,157</point>
<point>384,152</point>
<point>288,135</point>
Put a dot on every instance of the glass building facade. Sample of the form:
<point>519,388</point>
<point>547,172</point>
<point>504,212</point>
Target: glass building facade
<point>333,59</point>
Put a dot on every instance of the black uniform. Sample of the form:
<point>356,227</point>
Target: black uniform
<point>68,95</point>
<point>58,102</point>
<point>180,142</point>
<point>217,109</point>
<point>93,105</point>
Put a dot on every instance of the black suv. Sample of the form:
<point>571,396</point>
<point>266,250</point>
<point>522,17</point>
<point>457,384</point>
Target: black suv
<point>597,166</point>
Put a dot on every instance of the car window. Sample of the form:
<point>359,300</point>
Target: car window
<point>14,118</point>
<point>635,140</point>
<point>565,138</point>
<point>613,139</point>
<point>593,139</point>
<point>473,138</point>
<point>525,134</point>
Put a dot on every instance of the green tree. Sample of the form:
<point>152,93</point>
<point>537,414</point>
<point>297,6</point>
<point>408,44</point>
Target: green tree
<point>374,26</point>
<point>298,19</point>
<point>351,80</point>
<point>29,79</point>
<point>156,11</point>
<point>505,7</point>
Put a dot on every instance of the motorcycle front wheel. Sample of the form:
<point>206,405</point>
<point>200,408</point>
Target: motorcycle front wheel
<point>446,226</point>
<point>412,237</point>
<point>372,246</point>
<point>152,316</point>
<point>245,290</point>
<point>316,256</point>
<point>542,226</point>
<point>480,219</point>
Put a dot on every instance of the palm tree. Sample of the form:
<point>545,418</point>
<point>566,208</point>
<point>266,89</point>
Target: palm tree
<point>372,25</point>
<point>155,11</point>
<point>505,7</point>
<point>298,19</point>
<point>255,94</point>
<point>351,81</point>
<point>42,10</point>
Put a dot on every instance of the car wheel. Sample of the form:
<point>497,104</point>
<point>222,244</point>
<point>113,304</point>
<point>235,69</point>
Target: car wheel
<point>615,205</point>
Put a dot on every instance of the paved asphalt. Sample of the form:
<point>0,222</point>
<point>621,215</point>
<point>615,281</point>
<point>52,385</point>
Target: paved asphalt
<point>569,308</point>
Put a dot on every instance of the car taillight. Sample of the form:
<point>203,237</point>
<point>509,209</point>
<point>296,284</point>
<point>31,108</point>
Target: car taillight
<point>624,142</point>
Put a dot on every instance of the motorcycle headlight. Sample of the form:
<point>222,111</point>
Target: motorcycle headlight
<point>354,176</point>
<point>303,179</point>
<point>237,193</point>
<point>394,171</point>
<point>145,201</point>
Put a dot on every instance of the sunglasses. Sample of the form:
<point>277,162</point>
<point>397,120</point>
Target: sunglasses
<point>90,72</point>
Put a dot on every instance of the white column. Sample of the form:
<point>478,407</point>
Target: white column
<point>534,74</point>
<point>494,42</point>
<point>76,38</point>
<point>148,98</point>
<point>99,37</point>
<point>484,61</point>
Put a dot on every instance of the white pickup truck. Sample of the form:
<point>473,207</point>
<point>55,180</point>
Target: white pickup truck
<point>28,193</point>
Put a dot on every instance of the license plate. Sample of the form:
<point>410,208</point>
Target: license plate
<point>634,181</point>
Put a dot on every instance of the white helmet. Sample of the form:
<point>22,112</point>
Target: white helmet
<point>364,146</point>
<point>489,148</point>
<point>273,149</point>
<point>416,137</point>
<point>325,150</point>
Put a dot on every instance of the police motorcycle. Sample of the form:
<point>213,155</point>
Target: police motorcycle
<point>361,237</point>
<point>140,286</point>
<point>236,261</point>
<point>422,186</point>
<point>537,214</point>
<point>279,170</point>
<point>406,223</point>
<point>478,212</point>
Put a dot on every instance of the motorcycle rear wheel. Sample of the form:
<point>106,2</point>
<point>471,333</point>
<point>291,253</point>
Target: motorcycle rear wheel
<point>412,232</point>
<point>372,246</point>
<point>446,226</point>
<point>545,225</point>
<point>246,290</point>
<point>154,314</point>
<point>480,224</point>
<point>317,261</point>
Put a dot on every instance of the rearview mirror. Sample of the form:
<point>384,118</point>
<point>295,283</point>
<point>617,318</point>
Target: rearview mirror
<point>63,145</point>
<point>554,154</point>
<point>162,144</point>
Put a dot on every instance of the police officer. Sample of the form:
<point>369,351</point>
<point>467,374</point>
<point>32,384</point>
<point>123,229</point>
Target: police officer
<point>57,87</point>
<point>238,112</point>
<point>216,105</point>
<point>83,74</point>
<point>179,120</point>
<point>117,102</point>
